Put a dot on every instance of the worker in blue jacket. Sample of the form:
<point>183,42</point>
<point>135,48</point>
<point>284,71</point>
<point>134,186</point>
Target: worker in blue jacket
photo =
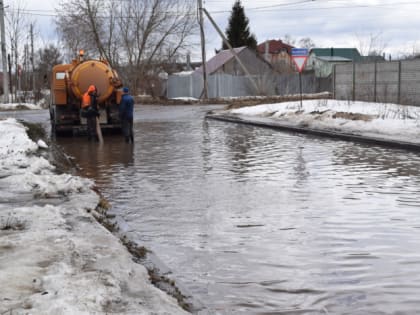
<point>126,114</point>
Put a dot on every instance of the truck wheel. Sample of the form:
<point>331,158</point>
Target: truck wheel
<point>53,129</point>
<point>52,120</point>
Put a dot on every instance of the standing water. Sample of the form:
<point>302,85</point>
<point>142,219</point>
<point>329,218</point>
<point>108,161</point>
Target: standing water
<point>256,221</point>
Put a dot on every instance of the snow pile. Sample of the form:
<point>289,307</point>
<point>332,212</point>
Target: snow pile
<point>23,171</point>
<point>42,144</point>
<point>187,99</point>
<point>54,257</point>
<point>14,106</point>
<point>388,121</point>
<point>183,73</point>
<point>286,96</point>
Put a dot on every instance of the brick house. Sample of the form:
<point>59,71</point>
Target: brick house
<point>278,54</point>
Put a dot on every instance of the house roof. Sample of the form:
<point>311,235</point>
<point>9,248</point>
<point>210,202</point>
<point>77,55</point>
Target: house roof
<point>274,47</point>
<point>219,60</point>
<point>350,53</point>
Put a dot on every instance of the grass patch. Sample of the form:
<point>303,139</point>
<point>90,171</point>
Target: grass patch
<point>253,101</point>
<point>34,131</point>
<point>12,223</point>
<point>167,285</point>
<point>137,251</point>
<point>353,116</point>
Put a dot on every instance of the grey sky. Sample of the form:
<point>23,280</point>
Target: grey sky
<point>329,23</point>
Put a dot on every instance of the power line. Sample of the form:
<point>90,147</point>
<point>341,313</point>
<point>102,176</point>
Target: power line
<point>260,9</point>
<point>30,13</point>
<point>281,5</point>
<point>283,9</point>
<point>257,8</point>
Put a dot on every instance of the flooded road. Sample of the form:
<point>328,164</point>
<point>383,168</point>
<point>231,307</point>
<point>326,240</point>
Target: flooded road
<point>256,221</point>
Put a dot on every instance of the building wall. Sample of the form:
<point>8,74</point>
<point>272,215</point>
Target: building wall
<point>310,62</point>
<point>282,62</point>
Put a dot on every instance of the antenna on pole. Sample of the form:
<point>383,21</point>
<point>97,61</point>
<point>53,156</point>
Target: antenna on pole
<point>203,48</point>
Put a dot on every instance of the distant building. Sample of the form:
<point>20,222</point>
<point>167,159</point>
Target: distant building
<point>225,62</point>
<point>349,53</point>
<point>322,60</point>
<point>277,53</point>
<point>175,67</point>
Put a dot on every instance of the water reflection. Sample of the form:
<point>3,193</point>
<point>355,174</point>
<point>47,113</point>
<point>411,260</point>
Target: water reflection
<point>96,160</point>
<point>300,167</point>
<point>241,146</point>
<point>393,162</point>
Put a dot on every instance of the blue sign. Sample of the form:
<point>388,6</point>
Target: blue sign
<point>303,52</point>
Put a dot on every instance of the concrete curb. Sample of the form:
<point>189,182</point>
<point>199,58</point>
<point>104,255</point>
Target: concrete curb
<point>279,125</point>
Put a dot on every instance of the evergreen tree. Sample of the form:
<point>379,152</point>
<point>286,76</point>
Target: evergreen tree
<point>237,32</point>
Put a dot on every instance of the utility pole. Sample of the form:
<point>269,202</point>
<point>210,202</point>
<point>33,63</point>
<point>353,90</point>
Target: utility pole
<point>10,75</point>
<point>32,58</point>
<point>203,48</point>
<point>3,55</point>
<point>25,69</point>
<point>231,49</point>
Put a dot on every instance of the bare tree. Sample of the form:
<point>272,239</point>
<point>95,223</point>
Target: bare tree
<point>137,37</point>
<point>288,39</point>
<point>412,51</point>
<point>16,31</point>
<point>46,59</point>
<point>306,42</point>
<point>80,23</point>
<point>112,40</point>
<point>154,33</point>
<point>371,45</point>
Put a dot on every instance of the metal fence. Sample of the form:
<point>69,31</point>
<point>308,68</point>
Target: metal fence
<point>288,84</point>
<point>225,85</point>
<point>219,85</point>
<point>387,82</point>
<point>184,86</point>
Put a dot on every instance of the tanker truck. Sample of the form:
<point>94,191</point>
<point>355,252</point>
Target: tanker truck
<point>69,83</point>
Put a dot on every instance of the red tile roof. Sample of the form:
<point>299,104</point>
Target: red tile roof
<point>275,47</point>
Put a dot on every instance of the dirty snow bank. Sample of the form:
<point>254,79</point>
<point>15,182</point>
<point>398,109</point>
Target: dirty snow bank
<point>54,257</point>
<point>387,121</point>
<point>14,106</point>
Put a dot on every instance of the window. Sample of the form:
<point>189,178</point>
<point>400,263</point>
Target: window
<point>60,75</point>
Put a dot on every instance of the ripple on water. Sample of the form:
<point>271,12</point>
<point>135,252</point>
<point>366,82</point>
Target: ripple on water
<point>255,221</point>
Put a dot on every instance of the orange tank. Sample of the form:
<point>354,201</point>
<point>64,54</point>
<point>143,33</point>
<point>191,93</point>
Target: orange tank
<point>93,72</point>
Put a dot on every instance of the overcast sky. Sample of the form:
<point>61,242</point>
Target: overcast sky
<point>329,23</point>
